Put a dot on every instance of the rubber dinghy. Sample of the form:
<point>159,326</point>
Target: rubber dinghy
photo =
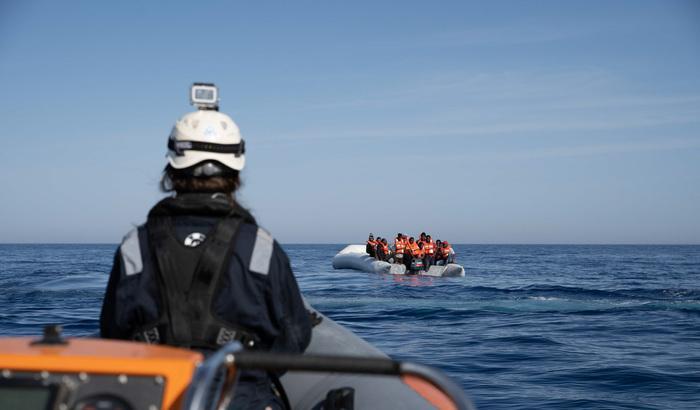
<point>339,370</point>
<point>306,390</point>
<point>355,257</point>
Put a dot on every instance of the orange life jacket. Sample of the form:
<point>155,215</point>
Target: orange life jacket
<point>371,243</point>
<point>429,248</point>
<point>400,245</point>
<point>419,253</point>
<point>445,252</point>
<point>385,248</point>
<point>412,248</point>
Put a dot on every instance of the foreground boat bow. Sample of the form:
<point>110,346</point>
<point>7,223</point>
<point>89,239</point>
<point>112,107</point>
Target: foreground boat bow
<point>85,374</point>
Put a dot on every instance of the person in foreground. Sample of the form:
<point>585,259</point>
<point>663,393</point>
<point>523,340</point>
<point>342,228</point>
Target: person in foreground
<point>200,272</point>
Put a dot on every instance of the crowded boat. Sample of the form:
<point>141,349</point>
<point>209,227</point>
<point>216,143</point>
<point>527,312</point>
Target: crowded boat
<point>416,255</point>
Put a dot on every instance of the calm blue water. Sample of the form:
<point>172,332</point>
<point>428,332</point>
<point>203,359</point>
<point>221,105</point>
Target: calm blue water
<point>597,327</point>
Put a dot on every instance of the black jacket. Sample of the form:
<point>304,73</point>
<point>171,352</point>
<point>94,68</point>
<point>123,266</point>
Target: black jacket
<point>257,291</point>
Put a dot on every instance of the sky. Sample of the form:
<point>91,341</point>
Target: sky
<point>496,122</point>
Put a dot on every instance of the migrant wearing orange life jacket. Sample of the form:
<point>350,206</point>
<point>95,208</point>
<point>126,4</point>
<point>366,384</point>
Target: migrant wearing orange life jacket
<point>400,245</point>
<point>371,248</point>
<point>418,253</point>
<point>445,250</point>
<point>413,248</point>
<point>429,248</point>
<point>385,248</point>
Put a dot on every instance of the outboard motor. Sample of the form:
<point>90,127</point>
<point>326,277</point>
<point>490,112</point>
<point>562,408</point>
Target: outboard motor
<point>416,265</point>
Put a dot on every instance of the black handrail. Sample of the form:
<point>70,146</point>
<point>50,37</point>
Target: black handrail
<point>232,355</point>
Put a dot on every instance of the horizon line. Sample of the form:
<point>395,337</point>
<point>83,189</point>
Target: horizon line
<point>454,243</point>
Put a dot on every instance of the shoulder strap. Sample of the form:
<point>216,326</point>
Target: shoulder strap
<point>188,281</point>
<point>213,262</point>
<point>173,323</point>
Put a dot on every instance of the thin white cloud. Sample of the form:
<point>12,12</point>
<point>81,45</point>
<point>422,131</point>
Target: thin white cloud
<point>474,95</point>
<point>604,149</point>
<point>566,127</point>
<point>658,144</point>
<point>510,35</point>
<point>461,105</point>
<point>529,33</point>
<point>470,86</point>
<point>505,36</point>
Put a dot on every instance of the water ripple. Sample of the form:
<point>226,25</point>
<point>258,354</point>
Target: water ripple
<point>547,327</point>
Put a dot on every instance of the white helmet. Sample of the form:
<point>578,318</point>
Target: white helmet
<point>206,135</point>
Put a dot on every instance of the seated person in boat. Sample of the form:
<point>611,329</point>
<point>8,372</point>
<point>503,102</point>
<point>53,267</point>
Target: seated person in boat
<point>445,253</point>
<point>417,257</point>
<point>399,248</point>
<point>422,238</point>
<point>383,250</point>
<point>429,248</point>
<point>438,253</point>
<point>371,247</point>
<point>410,252</point>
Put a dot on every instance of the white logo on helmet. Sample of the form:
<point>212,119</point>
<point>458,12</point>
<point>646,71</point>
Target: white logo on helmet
<point>210,133</point>
<point>195,239</point>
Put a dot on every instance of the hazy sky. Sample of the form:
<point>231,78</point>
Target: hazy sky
<point>502,122</point>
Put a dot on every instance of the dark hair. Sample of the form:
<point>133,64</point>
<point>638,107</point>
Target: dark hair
<point>181,181</point>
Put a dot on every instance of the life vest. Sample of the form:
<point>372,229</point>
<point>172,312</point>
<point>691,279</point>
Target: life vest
<point>419,253</point>
<point>412,248</point>
<point>187,279</point>
<point>445,252</point>
<point>429,248</point>
<point>385,248</point>
<point>372,243</point>
<point>400,245</point>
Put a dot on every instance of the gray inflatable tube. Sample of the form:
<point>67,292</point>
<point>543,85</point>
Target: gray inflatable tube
<point>355,257</point>
<point>308,390</point>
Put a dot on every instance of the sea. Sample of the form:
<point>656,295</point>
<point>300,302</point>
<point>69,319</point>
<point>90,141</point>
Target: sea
<point>528,327</point>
